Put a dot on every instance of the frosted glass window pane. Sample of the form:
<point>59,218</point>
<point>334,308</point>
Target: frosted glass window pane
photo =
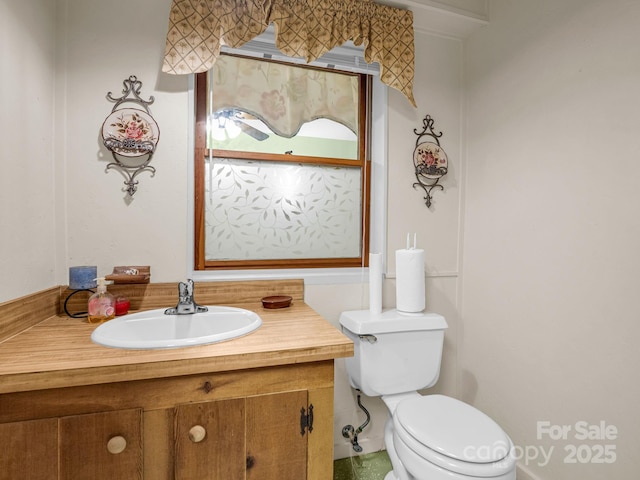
<point>271,210</point>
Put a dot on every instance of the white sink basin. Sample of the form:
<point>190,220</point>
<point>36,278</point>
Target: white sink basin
<point>154,329</point>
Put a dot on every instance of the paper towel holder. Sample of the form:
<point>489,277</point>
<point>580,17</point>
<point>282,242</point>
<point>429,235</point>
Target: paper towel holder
<point>429,159</point>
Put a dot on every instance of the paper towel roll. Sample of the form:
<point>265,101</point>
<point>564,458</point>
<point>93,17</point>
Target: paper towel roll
<point>375,282</point>
<point>410,280</point>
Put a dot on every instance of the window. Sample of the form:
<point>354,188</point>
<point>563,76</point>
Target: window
<point>282,176</point>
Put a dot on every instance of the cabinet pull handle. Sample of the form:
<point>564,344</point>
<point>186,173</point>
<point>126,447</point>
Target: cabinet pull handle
<point>197,433</point>
<point>116,444</point>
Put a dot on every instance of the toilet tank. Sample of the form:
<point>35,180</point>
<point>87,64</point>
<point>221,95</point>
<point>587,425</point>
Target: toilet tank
<point>393,352</point>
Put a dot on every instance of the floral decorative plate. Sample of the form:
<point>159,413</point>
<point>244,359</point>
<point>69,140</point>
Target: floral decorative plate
<point>130,132</point>
<point>430,160</point>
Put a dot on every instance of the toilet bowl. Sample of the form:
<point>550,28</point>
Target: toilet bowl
<point>438,437</point>
<point>430,437</point>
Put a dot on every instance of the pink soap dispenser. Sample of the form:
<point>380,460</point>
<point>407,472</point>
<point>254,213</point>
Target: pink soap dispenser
<point>102,305</point>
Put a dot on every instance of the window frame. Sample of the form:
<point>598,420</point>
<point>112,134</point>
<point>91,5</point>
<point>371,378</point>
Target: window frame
<point>201,264</point>
<point>311,276</point>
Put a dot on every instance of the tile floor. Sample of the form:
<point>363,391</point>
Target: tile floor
<point>372,466</point>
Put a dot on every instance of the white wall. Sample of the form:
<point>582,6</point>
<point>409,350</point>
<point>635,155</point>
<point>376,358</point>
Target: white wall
<point>552,228</point>
<point>105,43</point>
<point>27,129</point>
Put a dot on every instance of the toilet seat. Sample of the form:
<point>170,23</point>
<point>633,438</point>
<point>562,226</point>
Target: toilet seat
<point>454,436</point>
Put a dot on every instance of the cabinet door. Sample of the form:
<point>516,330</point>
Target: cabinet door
<point>210,441</point>
<point>29,450</point>
<point>100,446</point>
<point>276,444</point>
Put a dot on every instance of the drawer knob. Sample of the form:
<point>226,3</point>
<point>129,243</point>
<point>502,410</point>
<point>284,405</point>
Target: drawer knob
<point>197,433</point>
<point>116,444</point>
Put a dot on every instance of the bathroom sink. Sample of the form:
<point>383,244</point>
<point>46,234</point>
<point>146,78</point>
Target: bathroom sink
<point>154,329</point>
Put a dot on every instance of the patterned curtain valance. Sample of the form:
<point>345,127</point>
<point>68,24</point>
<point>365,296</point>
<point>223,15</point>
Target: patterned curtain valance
<point>198,28</point>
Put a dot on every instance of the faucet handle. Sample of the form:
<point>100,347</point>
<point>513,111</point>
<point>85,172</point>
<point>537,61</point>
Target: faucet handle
<point>186,303</point>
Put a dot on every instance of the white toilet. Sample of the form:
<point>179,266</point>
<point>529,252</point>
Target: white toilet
<point>431,437</point>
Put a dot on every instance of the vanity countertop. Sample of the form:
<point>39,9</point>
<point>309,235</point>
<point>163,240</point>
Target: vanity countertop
<point>58,351</point>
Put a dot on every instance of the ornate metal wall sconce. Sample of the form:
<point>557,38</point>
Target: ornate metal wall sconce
<point>429,159</point>
<point>131,134</point>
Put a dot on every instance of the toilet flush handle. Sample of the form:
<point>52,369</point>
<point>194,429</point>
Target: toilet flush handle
<point>368,338</point>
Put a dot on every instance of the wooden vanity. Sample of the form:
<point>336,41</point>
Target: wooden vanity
<point>257,407</point>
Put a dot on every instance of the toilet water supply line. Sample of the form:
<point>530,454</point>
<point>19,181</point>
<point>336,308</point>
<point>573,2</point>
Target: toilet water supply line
<point>352,434</point>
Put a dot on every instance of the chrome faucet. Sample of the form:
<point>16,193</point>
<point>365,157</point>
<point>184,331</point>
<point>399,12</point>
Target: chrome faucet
<point>186,304</point>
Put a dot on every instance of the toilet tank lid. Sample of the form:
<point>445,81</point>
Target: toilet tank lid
<point>365,322</point>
